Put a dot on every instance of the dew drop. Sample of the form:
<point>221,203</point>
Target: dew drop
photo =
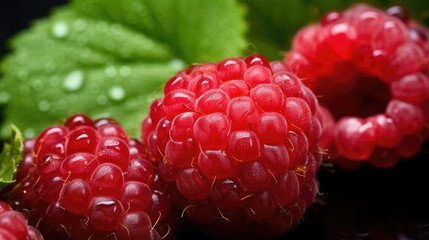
<point>116,93</point>
<point>22,58</point>
<point>177,64</point>
<point>54,81</point>
<point>81,40</point>
<point>29,133</point>
<point>37,84</point>
<point>137,6</point>
<point>102,100</point>
<point>125,71</point>
<point>4,97</point>
<point>60,29</point>
<point>50,66</point>
<point>80,25</point>
<point>110,71</point>
<point>22,75</point>
<point>101,26</point>
<point>73,81</point>
<point>44,106</point>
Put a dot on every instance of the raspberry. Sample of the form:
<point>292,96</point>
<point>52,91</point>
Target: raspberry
<point>89,180</point>
<point>238,142</point>
<point>370,70</point>
<point>13,225</point>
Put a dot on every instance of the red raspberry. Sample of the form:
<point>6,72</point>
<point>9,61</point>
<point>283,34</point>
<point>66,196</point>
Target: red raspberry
<point>88,180</point>
<point>370,69</point>
<point>238,141</point>
<point>13,225</point>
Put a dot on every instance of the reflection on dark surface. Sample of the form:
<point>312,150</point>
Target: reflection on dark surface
<point>372,203</point>
<point>368,204</point>
<point>16,15</point>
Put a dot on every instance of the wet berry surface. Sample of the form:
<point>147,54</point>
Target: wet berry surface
<point>365,204</point>
<point>369,70</point>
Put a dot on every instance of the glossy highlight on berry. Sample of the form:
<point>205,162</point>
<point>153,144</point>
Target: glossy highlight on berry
<point>240,147</point>
<point>369,69</point>
<point>87,179</point>
<point>13,225</point>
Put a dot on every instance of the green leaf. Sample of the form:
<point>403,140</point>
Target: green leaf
<point>10,157</point>
<point>110,58</point>
<point>197,31</point>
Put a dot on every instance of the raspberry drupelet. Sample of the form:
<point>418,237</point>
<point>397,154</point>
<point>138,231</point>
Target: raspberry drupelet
<point>88,180</point>
<point>13,225</point>
<point>238,141</point>
<point>369,69</point>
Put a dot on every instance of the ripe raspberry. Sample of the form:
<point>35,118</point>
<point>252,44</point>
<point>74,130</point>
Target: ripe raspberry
<point>370,70</point>
<point>238,141</point>
<point>13,225</point>
<point>88,180</point>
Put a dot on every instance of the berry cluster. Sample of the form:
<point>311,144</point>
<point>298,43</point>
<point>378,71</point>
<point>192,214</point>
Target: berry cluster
<point>88,180</point>
<point>370,70</point>
<point>238,140</point>
<point>235,145</point>
<point>13,225</point>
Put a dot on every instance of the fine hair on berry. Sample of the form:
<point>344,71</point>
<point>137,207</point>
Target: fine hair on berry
<point>87,179</point>
<point>238,142</point>
<point>368,68</point>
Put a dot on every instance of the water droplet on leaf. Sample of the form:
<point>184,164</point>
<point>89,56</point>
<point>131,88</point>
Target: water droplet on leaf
<point>60,29</point>
<point>4,97</point>
<point>22,57</point>
<point>116,93</point>
<point>37,84</point>
<point>81,40</point>
<point>102,26</point>
<point>110,71</point>
<point>79,25</point>
<point>102,100</point>
<point>73,81</point>
<point>44,106</point>
<point>50,66</point>
<point>22,75</point>
<point>125,71</point>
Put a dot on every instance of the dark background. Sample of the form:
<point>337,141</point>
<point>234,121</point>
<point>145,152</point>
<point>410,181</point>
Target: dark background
<point>16,15</point>
<point>365,204</point>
